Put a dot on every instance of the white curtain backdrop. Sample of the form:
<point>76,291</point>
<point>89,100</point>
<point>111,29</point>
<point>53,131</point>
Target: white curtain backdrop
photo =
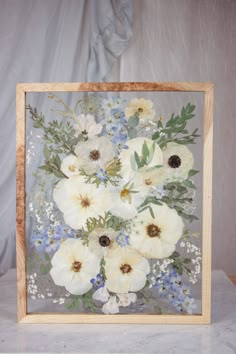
<point>50,41</point>
<point>173,40</point>
<point>194,40</point>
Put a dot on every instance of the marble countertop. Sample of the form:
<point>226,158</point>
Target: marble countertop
<point>217,338</point>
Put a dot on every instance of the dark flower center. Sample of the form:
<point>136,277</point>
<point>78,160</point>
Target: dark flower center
<point>174,161</point>
<point>126,268</point>
<point>153,231</point>
<point>148,181</point>
<point>104,241</point>
<point>140,110</point>
<point>85,202</point>
<point>76,266</point>
<point>94,155</point>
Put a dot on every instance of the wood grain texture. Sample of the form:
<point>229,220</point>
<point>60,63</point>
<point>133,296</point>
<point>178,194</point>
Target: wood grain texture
<point>25,317</point>
<point>232,278</point>
<point>117,86</point>
<point>20,202</point>
<point>207,204</point>
<point>113,319</point>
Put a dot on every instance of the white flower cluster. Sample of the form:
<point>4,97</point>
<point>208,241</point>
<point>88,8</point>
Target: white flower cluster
<point>32,288</point>
<point>30,153</point>
<point>39,210</point>
<point>160,267</point>
<point>193,250</point>
<point>50,213</point>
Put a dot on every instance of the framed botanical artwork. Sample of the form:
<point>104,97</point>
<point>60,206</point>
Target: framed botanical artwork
<point>114,202</point>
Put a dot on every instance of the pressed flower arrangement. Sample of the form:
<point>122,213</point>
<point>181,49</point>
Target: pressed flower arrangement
<point>111,207</point>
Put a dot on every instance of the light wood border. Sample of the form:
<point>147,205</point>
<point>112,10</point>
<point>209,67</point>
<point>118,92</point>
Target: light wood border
<point>21,90</point>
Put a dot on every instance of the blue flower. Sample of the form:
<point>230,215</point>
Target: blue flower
<point>171,287</point>
<point>51,237</point>
<point>112,103</point>
<point>52,245</point>
<point>163,288</point>
<point>175,280</point>
<point>122,238</point>
<point>118,115</point>
<point>183,291</point>
<point>38,240</point>
<point>171,296</point>
<point>189,304</point>
<point>102,175</point>
<point>98,282</point>
<point>178,305</point>
<point>118,137</point>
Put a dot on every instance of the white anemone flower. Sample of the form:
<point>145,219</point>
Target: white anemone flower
<point>102,241</point>
<point>126,271</point>
<point>94,154</point>
<point>127,156</point>
<point>151,178</point>
<point>177,161</point>
<point>79,200</point>
<point>70,165</point>
<point>73,266</point>
<point>111,306</point>
<point>156,237</point>
<point>128,196</point>
<point>142,106</point>
<point>87,126</point>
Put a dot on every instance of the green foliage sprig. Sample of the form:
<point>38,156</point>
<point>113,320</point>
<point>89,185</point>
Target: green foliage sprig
<point>85,299</point>
<point>52,164</point>
<point>176,197</point>
<point>58,135</point>
<point>180,263</point>
<point>175,129</point>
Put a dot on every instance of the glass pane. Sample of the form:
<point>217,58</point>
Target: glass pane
<point>114,202</point>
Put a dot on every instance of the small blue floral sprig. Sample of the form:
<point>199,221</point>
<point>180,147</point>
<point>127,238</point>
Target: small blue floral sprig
<point>50,239</point>
<point>171,287</point>
<point>102,175</point>
<point>98,282</point>
<point>122,238</point>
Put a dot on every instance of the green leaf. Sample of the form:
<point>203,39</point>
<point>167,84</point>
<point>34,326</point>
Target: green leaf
<point>151,212</point>
<point>47,258</point>
<point>175,254</point>
<point>44,268</point>
<point>46,153</point>
<point>133,121</point>
<point>192,173</point>
<point>159,124</point>
<point>155,135</point>
<point>57,161</point>
<point>137,159</point>
<point>189,184</point>
<point>178,268</point>
<point>132,132</point>
<point>145,151</point>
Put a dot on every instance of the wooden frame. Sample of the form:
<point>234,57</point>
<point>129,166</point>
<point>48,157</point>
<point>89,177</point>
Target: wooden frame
<point>21,90</point>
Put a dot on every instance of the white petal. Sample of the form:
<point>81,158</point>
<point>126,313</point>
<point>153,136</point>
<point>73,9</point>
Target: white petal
<point>101,294</point>
<point>79,285</point>
<point>111,306</point>
<point>126,299</point>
